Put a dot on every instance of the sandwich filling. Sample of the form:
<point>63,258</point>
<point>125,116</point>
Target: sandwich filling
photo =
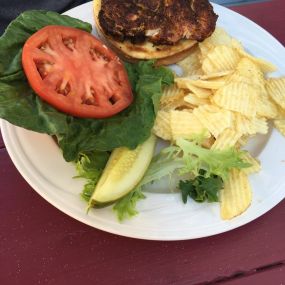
<point>162,22</point>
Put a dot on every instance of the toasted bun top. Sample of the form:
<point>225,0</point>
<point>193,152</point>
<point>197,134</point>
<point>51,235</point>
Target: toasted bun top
<point>146,50</point>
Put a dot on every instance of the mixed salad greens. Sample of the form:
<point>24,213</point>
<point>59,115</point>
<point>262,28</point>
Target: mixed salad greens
<point>89,142</point>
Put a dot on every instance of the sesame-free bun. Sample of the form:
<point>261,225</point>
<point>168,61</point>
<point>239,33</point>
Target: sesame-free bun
<point>164,54</point>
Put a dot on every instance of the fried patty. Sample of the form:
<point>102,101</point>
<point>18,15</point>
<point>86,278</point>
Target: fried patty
<point>162,22</point>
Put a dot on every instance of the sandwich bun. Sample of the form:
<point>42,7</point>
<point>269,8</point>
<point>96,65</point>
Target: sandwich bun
<point>164,54</point>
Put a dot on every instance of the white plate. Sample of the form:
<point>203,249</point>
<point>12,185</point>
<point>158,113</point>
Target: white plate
<point>162,216</point>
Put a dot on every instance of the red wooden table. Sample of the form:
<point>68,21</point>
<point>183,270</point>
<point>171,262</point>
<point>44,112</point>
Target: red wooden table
<point>41,245</point>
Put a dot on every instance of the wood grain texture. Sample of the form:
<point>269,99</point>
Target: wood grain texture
<point>40,244</point>
<point>271,276</point>
<point>1,141</point>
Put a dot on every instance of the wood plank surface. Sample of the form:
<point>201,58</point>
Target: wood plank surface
<point>1,141</point>
<point>271,276</point>
<point>41,244</point>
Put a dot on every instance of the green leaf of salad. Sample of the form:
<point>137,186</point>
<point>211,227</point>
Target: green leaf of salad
<point>206,168</point>
<point>201,188</point>
<point>90,167</point>
<point>22,107</point>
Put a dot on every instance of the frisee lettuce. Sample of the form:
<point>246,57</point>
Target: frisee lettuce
<point>126,207</point>
<point>90,167</point>
<point>160,167</point>
<point>204,166</point>
<point>212,161</point>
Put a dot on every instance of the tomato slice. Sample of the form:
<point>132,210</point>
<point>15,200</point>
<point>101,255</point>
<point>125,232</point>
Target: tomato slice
<point>75,73</point>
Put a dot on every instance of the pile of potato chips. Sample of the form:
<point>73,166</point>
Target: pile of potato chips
<point>225,93</point>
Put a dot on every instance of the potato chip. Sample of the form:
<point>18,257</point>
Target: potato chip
<point>250,126</point>
<point>172,98</point>
<point>208,84</point>
<point>221,58</point>
<point>264,65</point>
<point>208,142</point>
<point>218,37</point>
<point>242,141</point>
<point>255,164</point>
<point>191,64</point>
<point>236,44</point>
<point>280,126</point>
<point>205,48</point>
<point>236,196</point>
<point>280,113</point>
<point>240,97</point>
<point>184,124</point>
<point>249,69</point>
<point>194,100</point>
<point>215,76</point>
<point>214,119</point>
<point>265,107</point>
<point>161,126</point>
<point>248,72</point>
<point>185,84</point>
<point>228,138</point>
<point>276,90</point>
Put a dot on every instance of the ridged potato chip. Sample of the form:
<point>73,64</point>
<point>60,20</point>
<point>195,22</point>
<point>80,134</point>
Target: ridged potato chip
<point>172,98</point>
<point>265,107</point>
<point>200,92</point>
<point>276,90</point>
<point>240,97</point>
<point>228,138</point>
<point>242,141</point>
<point>218,37</point>
<point>264,65</point>
<point>236,196</point>
<point>216,76</point>
<point>250,70</point>
<point>191,64</point>
<point>161,126</point>
<point>214,119</point>
<point>192,99</point>
<point>250,126</point>
<point>221,58</point>
<point>184,124</point>
<point>280,126</point>
<point>255,164</point>
<point>208,84</point>
<point>280,113</point>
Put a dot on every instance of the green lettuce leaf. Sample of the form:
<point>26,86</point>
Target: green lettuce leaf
<point>90,167</point>
<point>212,161</point>
<point>160,166</point>
<point>125,208</point>
<point>201,189</point>
<point>20,106</point>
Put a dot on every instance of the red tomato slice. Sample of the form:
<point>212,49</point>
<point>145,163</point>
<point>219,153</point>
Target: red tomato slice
<point>75,73</point>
